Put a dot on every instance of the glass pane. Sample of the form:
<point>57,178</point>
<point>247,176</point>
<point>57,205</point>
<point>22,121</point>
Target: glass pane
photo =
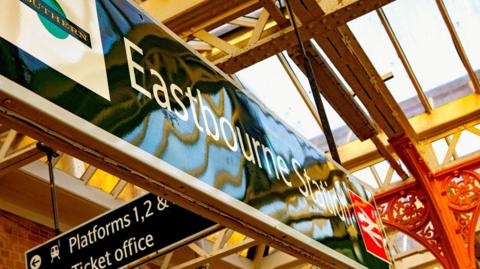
<point>71,166</point>
<point>300,76</point>
<point>342,134</point>
<point>382,169</point>
<point>465,17</point>
<point>395,178</point>
<point>424,37</point>
<point>269,82</point>
<point>467,143</point>
<point>373,38</point>
<point>130,192</point>
<point>366,176</point>
<point>440,148</point>
<point>103,180</point>
<point>405,243</point>
<point>22,143</point>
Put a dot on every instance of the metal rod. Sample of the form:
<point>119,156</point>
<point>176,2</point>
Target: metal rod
<point>50,155</point>
<point>404,60</point>
<point>316,94</point>
<point>299,88</point>
<point>458,46</point>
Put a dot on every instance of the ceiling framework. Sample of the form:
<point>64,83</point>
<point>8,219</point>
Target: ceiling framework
<point>336,94</point>
<point>209,15</point>
<point>276,42</point>
<point>243,47</point>
<point>238,49</point>
<point>347,55</point>
<point>257,43</point>
<point>401,54</point>
<point>81,187</point>
<point>343,50</point>
<point>16,151</point>
<point>327,27</point>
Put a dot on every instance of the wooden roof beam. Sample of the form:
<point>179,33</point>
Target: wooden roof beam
<point>244,21</point>
<point>259,27</point>
<point>306,10</point>
<point>342,101</point>
<point>209,15</point>
<point>215,41</point>
<point>285,38</point>
<point>446,120</point>
<point>382,97</point>
<point>336,94</point>
<point>275,13</point>
<point>342,48</point>
<point>359,80</point>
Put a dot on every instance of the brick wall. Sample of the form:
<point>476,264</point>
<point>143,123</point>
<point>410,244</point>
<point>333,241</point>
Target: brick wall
<point>16,236</point>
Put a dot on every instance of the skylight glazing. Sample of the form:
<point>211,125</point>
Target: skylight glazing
<point>373,38</point>
<point>341,132</point>
<point>465,17</point>
<point>269,82</point>
<point>424,37</point>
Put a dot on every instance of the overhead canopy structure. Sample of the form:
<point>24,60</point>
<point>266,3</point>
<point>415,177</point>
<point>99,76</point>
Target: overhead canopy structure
<point>401,80</point>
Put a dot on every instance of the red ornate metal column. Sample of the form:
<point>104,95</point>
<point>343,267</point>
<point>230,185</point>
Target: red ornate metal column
<point>438,210</point>
<point>460,187</point>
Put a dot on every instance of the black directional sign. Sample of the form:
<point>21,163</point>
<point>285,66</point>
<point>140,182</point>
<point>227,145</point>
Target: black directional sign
<point>144,226</point>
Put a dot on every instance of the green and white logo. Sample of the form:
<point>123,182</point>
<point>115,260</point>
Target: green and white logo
<point>56,22</point>
<point>63,34</point>
<point>51,27</point>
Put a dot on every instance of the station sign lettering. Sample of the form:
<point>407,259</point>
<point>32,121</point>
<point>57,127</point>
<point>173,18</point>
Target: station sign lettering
<point>140,97</point>
<point>149,224</point>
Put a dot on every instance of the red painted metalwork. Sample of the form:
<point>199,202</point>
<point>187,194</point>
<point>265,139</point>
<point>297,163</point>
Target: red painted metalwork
<point>407,210</point>
<point>461,188</point>
<point>439,210</point>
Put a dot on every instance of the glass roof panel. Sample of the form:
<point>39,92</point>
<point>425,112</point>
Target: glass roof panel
<point>405,243</point>
<point>396,178</point>
<point>373,38</point>
<point>367,177</point>
<point>22,143</point>
<point>341,132</point>
<point>71,166</point>
<point>130,192</point>
<point>465,16</point>
<point>382,170</point>
<point>467,144</point>
<point>331,65</point>
<point>440,148</point>
<point>278,93</point>
<point>103,180</point>
<point>424,37</point>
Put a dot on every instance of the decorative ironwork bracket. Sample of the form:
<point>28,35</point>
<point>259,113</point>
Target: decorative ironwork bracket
<point>439,210</point>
